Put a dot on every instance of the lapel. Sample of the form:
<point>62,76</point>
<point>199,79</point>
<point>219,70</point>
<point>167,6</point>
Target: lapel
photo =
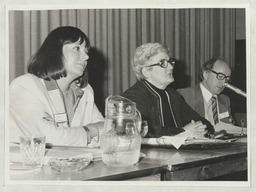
<point>80,107</point>
<point>199,101</point>
<point>57,100</point>
<point>55,96</point>
<point>222,104</point>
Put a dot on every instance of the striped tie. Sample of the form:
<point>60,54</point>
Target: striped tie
<point>214,110</point>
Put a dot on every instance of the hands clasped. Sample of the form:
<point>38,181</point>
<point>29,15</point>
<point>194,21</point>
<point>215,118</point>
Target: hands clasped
<point>196,129</point>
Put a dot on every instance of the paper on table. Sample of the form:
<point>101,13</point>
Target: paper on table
<point>229,128</point>
<point>165,140</point>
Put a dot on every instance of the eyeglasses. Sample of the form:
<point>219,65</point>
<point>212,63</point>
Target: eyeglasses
<point>221,76</point>
<point>164,63</point>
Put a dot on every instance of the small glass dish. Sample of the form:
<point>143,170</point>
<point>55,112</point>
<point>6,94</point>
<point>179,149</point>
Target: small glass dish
<point>69,164</point>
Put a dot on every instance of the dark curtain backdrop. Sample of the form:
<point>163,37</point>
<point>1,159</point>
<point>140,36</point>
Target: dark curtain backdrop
<point>193,35</point>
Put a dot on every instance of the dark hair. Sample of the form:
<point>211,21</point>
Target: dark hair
<point>207,66</point>
<point>47,63</point>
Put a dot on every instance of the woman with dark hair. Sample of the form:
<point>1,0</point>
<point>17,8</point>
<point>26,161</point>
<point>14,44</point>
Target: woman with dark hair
<point>54,98</point>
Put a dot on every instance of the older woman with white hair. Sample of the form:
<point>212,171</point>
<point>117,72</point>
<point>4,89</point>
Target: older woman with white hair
<point>161,106</point>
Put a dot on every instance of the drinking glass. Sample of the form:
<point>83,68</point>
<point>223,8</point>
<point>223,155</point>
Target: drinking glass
<point>144,128</point>
<point>32,149</point>
<point>242,121</point>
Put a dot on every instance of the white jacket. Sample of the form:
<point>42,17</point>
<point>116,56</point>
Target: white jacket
<point>30,100</point>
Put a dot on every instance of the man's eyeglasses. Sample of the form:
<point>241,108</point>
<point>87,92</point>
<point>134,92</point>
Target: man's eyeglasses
<point>164,63</point>
<point>221,76</point>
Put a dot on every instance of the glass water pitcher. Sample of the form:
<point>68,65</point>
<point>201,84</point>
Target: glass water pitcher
<point>121,140</point>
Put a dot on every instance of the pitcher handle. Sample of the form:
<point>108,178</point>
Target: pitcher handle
<point>138,119</point>
<point>142,125</point>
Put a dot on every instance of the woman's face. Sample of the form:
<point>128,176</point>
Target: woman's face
<point>75,59</point>
<point>160,77</point>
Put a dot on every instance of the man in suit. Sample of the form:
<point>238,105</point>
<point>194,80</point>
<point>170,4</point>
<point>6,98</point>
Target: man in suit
<point>214,74</point>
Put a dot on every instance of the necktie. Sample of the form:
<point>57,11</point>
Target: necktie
<point>214,110</point>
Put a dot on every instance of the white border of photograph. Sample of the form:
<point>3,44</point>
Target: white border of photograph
<point>96,4</point>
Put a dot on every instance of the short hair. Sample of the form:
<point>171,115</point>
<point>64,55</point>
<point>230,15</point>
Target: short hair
<point>143,54</point>
<point>47,62</point>
<point>208,65</point>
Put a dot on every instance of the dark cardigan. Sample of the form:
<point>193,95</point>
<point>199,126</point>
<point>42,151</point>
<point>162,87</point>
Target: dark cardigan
<point>148,103</point>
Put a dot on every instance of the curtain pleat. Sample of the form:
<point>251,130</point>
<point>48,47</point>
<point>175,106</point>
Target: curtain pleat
<point>43,26</point>
<point>16,45</point>
<point>193,69</point>
<point>162,26</point>
<point>193,36</point>
<point>177,28</point>
<point>124,38</point>
<point>110,53</point>
<point>144,27</point>
<point>27,48</point>
<point>133,39</point>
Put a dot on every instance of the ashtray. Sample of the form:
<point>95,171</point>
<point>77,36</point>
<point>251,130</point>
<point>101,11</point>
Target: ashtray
<point>69,164</point>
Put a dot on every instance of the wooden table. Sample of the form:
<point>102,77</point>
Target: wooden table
<point>171,164</point>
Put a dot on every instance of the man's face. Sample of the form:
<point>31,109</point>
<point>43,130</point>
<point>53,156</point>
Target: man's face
<point>214,85</point>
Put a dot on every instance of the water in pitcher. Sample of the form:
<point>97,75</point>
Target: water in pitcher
<point>120,139</point>
<point>120,150</point>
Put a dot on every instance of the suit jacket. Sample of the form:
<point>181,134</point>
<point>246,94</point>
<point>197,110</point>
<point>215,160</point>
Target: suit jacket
<point>194,97</point>
<point>30,100</point>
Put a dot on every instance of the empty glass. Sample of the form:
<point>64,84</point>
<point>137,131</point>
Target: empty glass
<point>242,121</point>
<point>144,128</point>
<point>32,149</point>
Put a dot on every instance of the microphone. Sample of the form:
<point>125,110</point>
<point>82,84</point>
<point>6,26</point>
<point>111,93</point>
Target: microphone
<point>235,89</point>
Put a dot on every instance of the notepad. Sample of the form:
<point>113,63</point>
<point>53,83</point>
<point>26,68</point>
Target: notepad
<point>229,128</point>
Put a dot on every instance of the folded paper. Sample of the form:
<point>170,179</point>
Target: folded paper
<point>166,141</point>
<point>229,128</point>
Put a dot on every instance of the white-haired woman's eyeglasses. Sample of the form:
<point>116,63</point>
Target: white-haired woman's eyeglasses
<point>164,63</point>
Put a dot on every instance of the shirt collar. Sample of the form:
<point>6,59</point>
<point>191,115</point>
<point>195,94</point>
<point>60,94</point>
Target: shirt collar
<point>154,87</point>
<point>52,85</point>
<point>77,90</point>
<point>207,95</point>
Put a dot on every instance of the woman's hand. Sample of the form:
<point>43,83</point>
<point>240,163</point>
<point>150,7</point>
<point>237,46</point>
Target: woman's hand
<point>196,129</point>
